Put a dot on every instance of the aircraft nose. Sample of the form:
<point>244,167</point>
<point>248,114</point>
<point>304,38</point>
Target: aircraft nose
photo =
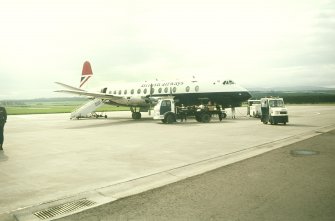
<point>248,95</point>
<point>245,95</point>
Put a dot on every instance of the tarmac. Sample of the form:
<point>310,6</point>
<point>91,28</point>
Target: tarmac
<point>53,167</point>
<point>295,182</point>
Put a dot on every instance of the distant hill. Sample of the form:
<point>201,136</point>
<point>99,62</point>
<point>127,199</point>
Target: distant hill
<point>290,89</point>
<point>298,96</point>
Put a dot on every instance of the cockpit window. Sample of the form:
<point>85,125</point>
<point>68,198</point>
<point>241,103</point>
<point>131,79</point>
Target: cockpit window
<point>166,103</point>
<point>227,82</point>
<point>276,103</point>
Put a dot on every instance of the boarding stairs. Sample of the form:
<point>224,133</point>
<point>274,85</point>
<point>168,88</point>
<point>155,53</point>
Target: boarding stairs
<point>87,109</point>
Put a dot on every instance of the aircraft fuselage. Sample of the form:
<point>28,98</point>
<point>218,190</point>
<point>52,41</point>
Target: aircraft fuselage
<point>225,93</point>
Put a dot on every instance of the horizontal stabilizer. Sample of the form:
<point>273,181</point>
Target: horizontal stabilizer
<point>69,87</point>
<point>90,94</point>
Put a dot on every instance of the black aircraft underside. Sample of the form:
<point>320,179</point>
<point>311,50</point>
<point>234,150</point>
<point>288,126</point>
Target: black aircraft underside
<point>225,99</point>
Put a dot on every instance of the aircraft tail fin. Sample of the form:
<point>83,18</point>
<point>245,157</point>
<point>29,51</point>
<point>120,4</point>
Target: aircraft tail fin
<point>86,73</point>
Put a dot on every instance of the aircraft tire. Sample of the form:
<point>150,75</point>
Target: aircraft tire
<point>136,115</point>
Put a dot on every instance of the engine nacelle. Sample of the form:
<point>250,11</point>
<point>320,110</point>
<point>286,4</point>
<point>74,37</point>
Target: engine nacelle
<point>137,101</point>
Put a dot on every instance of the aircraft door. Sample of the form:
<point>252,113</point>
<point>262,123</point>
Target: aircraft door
<point>165,107</point>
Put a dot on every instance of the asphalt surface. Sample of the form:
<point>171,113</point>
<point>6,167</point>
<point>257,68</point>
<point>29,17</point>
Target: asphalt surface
<point>277,185</point>
<point>50,162</point>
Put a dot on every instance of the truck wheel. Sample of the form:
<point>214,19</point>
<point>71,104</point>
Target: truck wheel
<point>198,118</point>
<point>170,118</point>
<point>224,115</point>
<point>205,118</point>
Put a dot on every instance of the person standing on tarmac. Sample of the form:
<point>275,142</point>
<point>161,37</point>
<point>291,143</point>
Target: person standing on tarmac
<point>3,119</point>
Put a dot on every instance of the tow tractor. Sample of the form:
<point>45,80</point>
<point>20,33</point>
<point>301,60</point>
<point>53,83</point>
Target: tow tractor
<point>168,112</point>
<point>273,111</point>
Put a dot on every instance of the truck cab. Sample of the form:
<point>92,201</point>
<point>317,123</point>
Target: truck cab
<point>273,111</point>
<point>164,110</point>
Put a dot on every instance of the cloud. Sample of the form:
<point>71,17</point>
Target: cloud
<point>247,41</point>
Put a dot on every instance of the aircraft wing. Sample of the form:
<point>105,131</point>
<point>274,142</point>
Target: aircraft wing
<point>91,94</point>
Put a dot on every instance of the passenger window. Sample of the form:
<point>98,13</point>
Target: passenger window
<point>139,91</point>
<point>132,91</point>
<point>188,89</point>
<point>145,91</point>
<point>114,92</point>
<point>196,88</point>
<point>152,90</point>
<point>160,90</point>
<point>174,89</point>
<point>120,91</point>
<point>125,92</point>
<point>166,90</point>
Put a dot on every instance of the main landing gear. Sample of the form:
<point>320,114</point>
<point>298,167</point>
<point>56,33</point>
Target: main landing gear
<point>134,114</point>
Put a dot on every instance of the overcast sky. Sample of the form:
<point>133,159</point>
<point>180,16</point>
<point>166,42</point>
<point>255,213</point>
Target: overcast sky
<point>259,43</point>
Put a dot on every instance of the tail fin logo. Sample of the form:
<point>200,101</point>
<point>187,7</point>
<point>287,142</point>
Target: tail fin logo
<point>86,73</point>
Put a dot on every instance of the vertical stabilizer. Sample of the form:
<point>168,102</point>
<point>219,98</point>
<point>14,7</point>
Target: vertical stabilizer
<point>86,73</point>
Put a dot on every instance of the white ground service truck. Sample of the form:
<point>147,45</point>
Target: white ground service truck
<point>273,111</point>
<point>168,112</point>
<point>254,108</point>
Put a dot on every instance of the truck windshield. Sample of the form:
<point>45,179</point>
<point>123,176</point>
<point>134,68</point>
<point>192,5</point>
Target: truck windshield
<point>276,103</point>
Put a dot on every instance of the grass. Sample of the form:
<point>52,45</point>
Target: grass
<point>53,107</point>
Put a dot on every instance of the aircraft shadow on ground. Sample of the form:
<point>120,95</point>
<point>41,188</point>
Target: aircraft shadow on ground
<point>3,156</point>
<point>112,122</point>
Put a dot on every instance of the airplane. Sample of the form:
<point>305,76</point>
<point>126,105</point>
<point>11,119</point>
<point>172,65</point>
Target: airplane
<point>140,97</point>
